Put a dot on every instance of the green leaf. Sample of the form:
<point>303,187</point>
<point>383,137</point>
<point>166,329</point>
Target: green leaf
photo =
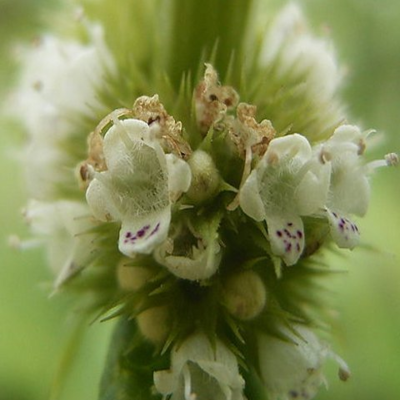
<point>128,374</point>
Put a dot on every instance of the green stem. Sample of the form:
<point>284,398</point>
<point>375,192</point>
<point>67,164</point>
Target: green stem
<point>198,26</point>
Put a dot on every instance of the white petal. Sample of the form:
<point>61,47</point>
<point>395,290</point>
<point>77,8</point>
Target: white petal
<point>291,148</point>
<point>123,142</point>
<point>249,198</point>
<point>59,223</point>
<point>344,232</point>
<point>60,78</point>
<point>201,265</point>
<point>350,190</point>
<point>312,192</point>
<point>143,234</point>
<point>346,134</point>
<point>219,371</point>
<point>300,54</point>
<point>179,175</point>
<point>101,201</point>
<point>166,381</point>
<point>286,235</point>
<point>202,386</point>
<point>289,22</point>
<point>291,369</point>
<point>201,370</point>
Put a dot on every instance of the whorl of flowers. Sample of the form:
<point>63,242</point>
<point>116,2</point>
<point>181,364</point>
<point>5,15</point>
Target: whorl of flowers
<point>197,213</point>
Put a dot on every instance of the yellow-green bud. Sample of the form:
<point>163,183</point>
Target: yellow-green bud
<point>154,324</point>
<point>131,278</point>
<point>205,177</point>
<point>244,295</point>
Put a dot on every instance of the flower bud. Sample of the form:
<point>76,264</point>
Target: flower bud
<point>130,277</point>
<point>244,295</point>
<point>154,324</point>
<point>205,177</point>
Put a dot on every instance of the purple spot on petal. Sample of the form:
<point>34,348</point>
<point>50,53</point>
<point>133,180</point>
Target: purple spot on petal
<point>287,233</point>
<point>141,233</point>
<point>128,235</point>
<point>298,247</point>
<point>279,233</point>
<point>155,229</point>
<point>334,214</point>
<point>290,224</point>
<point>288,247</point>
<point>299,234</point>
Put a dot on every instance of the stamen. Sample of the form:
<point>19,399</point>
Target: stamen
<point>344,370</point>
<point>16,243</point>
<point>390,160</point>
<point>246,172</point>
<point>121,130</point>
<point>187,383</point>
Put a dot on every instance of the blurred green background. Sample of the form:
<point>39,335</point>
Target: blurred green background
<point>34,329</point>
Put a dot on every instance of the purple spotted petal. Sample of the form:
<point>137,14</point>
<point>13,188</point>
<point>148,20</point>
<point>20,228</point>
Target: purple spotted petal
<point>287,238</point>
<point>344,232</point>
<point>142,235</point>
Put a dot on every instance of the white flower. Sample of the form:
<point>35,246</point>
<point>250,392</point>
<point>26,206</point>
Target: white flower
<point>292,368</point>
<point>61,77</point>
<point>287,183</point>
<point>349,190</point>
<point>135,189</point>
<point>59,83</point>
<point>301,54</point>
<point>197,260</point>
<point>201,371</point>
<point>64,227</point>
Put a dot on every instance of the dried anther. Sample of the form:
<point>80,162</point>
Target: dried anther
<point>150,110</point>
<point>247,133</point>
<point>212,100</point>
<point>95,160</point>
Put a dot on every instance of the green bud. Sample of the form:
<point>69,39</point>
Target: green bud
<point>244,295</point>
<point>205,177</point>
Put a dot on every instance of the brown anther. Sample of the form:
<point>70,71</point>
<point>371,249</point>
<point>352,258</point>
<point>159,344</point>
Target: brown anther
<point>344,374</point>
<point>94,162</point>
<point>361,147</point>
<point>151,111</point>
<point>212,100</point>
<point>324,157</point>
<point>38,86</point>
<point>248,133</point>
<point>273,158</point>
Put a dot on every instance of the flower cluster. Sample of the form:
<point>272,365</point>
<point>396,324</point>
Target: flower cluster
<point>202,211</point>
